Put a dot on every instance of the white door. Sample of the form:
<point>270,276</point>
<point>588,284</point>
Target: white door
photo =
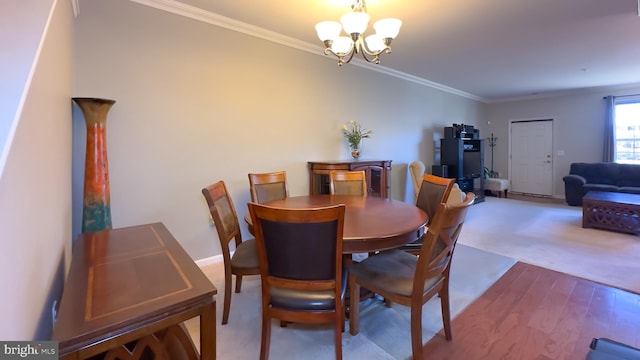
<point>531,160</point>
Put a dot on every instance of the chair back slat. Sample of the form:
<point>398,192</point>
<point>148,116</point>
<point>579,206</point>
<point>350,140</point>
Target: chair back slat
<point>267,187</point>
<point>440,241</point>
<point>222,212</point>
<point>433,191</point>
<point>302,251</point>
<point>348,183</point>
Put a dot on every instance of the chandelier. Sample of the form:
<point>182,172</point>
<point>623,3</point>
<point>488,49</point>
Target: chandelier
<point>355,24</point>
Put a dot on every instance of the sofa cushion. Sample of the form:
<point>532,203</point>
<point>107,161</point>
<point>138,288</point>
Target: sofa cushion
<point>629,175</point>
<point>598,173</point>
<point>629,189</point>
<point>600,187</point>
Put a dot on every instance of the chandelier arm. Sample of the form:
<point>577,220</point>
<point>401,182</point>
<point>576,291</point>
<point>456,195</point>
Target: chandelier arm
<point>341,60</point>
<point>365,50</point>
<point>351,53</point>
<point>375,57</point>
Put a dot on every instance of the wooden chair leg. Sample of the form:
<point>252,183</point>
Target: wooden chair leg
<point>505,194</point>
<point>227,296</point>
<point>238,283</point>
<point>446,312</point>
<point>416,331</point>
<point>354,306</point>
<point>339,326</point>
<point>266,336</point>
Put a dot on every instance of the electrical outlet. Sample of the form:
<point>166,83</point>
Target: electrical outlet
<point>54,311</point>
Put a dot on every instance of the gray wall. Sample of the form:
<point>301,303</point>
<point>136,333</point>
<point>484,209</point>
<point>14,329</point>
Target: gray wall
<point>35,186</point>
<point>196,103</point>
<point>18,52</point>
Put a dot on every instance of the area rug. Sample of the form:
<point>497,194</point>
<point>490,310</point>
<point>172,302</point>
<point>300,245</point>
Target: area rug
<point>384,332</point>
<point>551,236</point>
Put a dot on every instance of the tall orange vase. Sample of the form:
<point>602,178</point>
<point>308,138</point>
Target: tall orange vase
<point>96,210</point>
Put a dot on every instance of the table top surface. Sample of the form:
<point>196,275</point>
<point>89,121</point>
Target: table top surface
<point>122,278</point>
<point>613,197</point>
<point>371,223</point>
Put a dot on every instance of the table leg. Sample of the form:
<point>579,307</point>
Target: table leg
<point>208,332</point>
<point>347,261</point>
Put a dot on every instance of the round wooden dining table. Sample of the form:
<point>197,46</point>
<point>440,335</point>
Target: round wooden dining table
<point>370,223</point>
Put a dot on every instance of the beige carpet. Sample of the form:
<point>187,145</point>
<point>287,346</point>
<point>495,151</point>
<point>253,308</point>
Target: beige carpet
<point>384,332</point>
<point>497,232</point>
<point>551,236</point>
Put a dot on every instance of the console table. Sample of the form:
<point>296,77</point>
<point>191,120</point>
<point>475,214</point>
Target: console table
<point>377,173</point>
<point>128,292</point>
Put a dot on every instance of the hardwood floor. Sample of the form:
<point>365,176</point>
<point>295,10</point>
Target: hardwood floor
<point>536,313</point>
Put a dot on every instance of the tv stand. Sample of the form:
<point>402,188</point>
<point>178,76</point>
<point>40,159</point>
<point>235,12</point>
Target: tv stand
<point>464,158</point>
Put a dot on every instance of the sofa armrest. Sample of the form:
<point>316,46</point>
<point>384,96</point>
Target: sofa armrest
<point>573,179</point>
<point>574,189</point>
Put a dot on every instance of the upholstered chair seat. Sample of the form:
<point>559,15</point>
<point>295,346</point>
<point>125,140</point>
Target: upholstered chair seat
<point>245,256</point>
<point>395,271</point>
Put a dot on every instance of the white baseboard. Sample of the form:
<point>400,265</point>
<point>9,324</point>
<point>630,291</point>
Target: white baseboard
<point>210,260</point>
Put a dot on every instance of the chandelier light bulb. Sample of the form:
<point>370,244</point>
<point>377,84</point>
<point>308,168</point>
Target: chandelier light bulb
<point>375,43</point>
<point>387,28</point>
<point>342,45</point>
<point>355,22</point>
<point>328,30</point>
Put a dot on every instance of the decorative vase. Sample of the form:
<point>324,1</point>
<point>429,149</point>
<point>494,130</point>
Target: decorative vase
<point>96,206</point>
<point>355,150</point>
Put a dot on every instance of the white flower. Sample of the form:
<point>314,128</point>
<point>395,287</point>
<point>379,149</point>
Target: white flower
<point>356,133</point>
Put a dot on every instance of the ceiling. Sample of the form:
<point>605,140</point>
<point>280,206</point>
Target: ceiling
<point>492,50</point>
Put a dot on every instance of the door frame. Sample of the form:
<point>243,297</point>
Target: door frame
<point>553,120</point>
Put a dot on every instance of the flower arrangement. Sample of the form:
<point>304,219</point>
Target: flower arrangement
<point>355,133</point>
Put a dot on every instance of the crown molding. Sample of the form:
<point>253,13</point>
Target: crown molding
<point>195,13</point>
<point>595,90</point>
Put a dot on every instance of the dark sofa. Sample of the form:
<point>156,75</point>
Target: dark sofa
<point>585,177</point>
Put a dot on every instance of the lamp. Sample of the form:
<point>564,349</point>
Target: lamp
<point>355,24</point>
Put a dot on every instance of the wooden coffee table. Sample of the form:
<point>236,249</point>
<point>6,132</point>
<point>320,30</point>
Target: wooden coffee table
<point>611,211</point>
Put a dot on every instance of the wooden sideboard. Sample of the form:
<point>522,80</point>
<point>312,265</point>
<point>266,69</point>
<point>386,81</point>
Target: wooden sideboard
<point>377,172</point>
<point>127,294</point>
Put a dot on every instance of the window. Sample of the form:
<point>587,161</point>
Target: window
<point>627,131</point>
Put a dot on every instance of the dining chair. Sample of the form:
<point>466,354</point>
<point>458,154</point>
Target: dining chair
<point>244,260</point>
<point>412,280</point>
<point>300,257</point>
<point>265,187</point>
<point>433,191</point>
<point>417,172</point>
<point>347,182</point>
